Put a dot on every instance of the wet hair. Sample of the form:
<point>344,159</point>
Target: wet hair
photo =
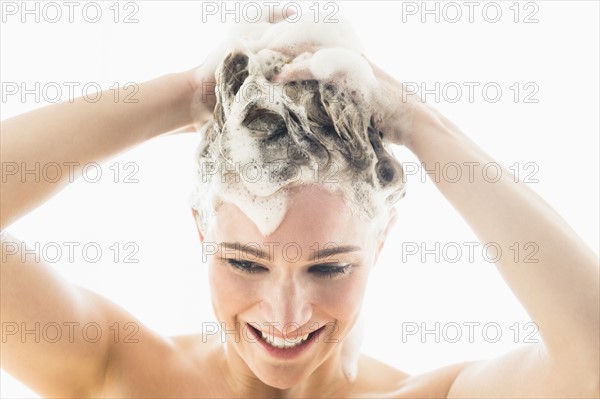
<point>295,133</point>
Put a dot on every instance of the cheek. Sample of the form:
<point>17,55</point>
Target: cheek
<point>231,293</point>
<point>342,298</point>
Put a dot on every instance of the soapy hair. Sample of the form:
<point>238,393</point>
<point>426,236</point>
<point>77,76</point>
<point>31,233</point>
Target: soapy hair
<point>295,133</point>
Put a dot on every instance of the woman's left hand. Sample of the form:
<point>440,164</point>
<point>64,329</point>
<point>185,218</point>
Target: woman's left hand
<point>398,112</point>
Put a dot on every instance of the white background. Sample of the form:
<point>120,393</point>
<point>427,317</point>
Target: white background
<point>167,289</point>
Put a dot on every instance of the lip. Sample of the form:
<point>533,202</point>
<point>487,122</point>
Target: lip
<point>289,353</point>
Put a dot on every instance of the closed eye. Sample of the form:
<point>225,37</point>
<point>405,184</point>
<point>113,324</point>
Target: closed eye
<point>331,271</point>
<point>322,270</point>
<point>246,267</point>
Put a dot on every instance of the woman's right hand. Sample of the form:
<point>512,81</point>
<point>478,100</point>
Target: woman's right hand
<point>202,82</point>
<point>202,79</point>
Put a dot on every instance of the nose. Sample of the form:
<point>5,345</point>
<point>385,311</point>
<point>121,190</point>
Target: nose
<point>286,303</point>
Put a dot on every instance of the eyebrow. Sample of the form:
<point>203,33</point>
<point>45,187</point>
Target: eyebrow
<point>254,249</point>
<point>248,248</point>
<point>332,249</point>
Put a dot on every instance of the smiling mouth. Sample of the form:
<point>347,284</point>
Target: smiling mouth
<point>284,343</point>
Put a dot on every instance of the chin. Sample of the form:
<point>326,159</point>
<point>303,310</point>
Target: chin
<point>281,377</point>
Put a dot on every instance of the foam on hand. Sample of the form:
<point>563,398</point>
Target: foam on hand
<point>267,137</point>
<point>326,49</point>
<point>290,36</point>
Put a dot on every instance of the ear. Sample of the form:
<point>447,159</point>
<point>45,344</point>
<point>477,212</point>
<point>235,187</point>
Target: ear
<point>384,234</point>
<point>197,222</point>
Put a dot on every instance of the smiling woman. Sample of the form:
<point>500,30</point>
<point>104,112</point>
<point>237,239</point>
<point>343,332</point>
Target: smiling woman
<point>291,135</point>
<point>294,200</point>
<point>290,294</point>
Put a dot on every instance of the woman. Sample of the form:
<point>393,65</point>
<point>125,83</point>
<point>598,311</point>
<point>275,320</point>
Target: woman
<point>288,319</point>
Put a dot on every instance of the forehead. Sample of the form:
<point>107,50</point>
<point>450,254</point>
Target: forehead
<point>314,215</point>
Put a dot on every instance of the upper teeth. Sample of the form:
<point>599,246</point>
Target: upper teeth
<point>283,342</point>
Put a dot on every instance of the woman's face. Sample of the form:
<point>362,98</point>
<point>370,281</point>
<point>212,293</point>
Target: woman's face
<point>308,276</point>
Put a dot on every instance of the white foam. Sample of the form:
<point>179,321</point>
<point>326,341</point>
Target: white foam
<point>338,51</point>
<point>336,47</point>
<point>326,63</point>
<point>293,33</point>
<point>351,350</point>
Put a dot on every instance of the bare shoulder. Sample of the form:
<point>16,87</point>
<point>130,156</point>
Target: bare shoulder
<point>432,384</point>
<point>164,366</point>
<point>377,379</point>
<point>381,380</point>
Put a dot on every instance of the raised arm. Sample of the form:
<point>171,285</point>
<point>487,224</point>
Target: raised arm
<point>72,134</point>
<point>559,290</point>
<point>36,302</point>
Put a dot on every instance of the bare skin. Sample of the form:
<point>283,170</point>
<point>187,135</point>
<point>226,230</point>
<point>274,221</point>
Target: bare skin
<point>561,292</point>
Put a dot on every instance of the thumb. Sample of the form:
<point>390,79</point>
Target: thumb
<point>293,72</point>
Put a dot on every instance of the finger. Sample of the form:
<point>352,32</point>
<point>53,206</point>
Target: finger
<point>185,129</point>
<point>294,72</point>
<point>276,14</point>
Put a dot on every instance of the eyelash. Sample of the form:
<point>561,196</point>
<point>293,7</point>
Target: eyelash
<point>245,266</point>
<point>329,271</point>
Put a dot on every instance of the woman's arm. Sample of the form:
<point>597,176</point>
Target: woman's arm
<point>71,135</point>
<point>37,303</point>
<point>560,290</point>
